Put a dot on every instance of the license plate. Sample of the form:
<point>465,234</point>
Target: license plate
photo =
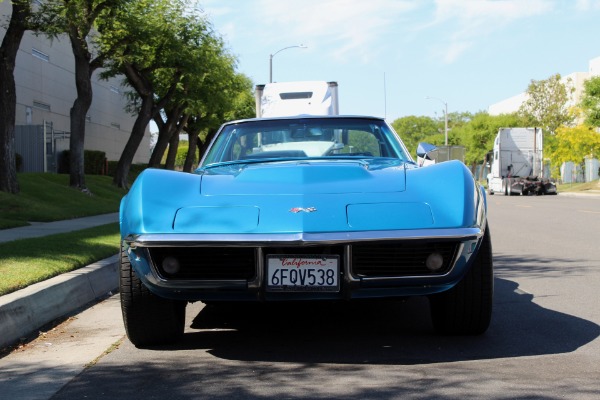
<point>303,273</point>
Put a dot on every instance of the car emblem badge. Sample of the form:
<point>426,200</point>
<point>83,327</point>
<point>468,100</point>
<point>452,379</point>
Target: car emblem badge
<point>296,210</point>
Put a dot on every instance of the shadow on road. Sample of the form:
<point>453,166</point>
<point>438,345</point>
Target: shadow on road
<point>324,350</point>
<point>381,332</point>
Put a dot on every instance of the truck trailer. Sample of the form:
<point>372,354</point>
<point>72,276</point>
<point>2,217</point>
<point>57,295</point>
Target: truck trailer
<point>516,163</point>
<point>284,99</point>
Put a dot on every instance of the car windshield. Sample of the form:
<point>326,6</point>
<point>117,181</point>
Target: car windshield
<point>304,138</point>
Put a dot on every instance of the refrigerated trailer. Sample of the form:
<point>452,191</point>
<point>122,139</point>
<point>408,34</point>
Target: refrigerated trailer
<point>516,163</point>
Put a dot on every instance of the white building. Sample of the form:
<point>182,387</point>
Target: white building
<point>45,88</point>
<point>574,80</point>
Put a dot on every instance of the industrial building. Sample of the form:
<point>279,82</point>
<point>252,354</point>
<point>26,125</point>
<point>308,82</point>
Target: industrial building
<point>45,88</point>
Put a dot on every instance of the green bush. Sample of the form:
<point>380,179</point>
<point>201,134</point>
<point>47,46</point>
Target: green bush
<point>94,162</point>
<point>134,170</point>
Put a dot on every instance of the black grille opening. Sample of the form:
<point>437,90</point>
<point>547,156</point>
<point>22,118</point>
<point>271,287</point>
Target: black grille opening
<point>398,259</point>
<point>207,263</point>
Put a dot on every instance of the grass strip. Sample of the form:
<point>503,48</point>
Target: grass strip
<point>48,197</point>
<point>579,187</point>
<point>28,261</point>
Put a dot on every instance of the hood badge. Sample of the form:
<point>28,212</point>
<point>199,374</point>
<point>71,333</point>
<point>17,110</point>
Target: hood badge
<point>296,210</point>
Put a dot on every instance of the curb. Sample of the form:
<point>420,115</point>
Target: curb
<point>27,310</point>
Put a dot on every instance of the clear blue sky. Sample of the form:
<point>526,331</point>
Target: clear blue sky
<point>388,55</point>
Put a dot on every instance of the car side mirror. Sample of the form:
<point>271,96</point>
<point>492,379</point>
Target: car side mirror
<point>426,154</point>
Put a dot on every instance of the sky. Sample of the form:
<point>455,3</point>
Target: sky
<point>388,56</point>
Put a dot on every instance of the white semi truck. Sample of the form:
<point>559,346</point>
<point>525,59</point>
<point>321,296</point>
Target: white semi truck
<point>516,163</point>
<point>282,99</point>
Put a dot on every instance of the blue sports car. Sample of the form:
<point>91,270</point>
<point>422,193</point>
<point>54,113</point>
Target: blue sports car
<point>304,208</point>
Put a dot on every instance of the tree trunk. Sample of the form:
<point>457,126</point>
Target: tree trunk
<point>8,97</point>
<point>165,133</point>
<point>136,137</point>
<point>148,110</point>
<point>172,154</point>
<point>174,142</point>
<point>81,105</point>
<point>190,158</point>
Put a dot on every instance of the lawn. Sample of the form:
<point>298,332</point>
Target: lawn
<point>27,261</point>
<point>579,187</point>
<point>48,197</point>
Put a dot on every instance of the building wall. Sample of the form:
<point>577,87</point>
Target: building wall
<point>574,80</point>
<point>508,106</point>
<point>45,85</point>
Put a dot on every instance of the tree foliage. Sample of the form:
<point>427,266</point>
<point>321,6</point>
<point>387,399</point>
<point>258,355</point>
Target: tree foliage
<point>172,59</point>
<point>546,105</point>
<point>414,129</point>
<point>76,19</point>
<point>574,144</point>
<point>590,102</point>
<point>479,133</point>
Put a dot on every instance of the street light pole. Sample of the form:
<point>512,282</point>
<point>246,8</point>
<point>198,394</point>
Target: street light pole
<point>445,117</point>
<point>301,46</point>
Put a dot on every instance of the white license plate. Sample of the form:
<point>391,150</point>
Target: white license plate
<point>303,273</point>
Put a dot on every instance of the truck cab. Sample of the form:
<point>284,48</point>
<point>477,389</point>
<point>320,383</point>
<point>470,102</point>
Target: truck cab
<point>286,99</point>
<point>516,163</point>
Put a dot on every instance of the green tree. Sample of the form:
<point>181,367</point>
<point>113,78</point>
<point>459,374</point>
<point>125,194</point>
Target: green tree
<point>77,19</point>
<point>590,102</point>
<point>479,133</point>
<point>414,129</point>
<point>19,22</point>
<point>574,144</point>
<point>206,87</point>
<point>230,100</point>
<point>546,105</point>
<point>149,42</point>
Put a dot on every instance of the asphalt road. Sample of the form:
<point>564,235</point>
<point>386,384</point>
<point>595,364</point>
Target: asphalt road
<point>543,342</point>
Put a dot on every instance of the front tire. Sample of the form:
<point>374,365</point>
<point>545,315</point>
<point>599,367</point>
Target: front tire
<point>466,309</point>
<point>149,319</point>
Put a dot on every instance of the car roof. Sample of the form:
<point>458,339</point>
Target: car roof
<point>296,117</point>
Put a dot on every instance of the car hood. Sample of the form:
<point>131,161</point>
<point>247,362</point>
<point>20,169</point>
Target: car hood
<point>301,196</point>
<point>305,177</point>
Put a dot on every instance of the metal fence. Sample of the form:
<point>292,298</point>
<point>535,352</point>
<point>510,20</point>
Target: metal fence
<point>40,147</point>
<point>587,171</point>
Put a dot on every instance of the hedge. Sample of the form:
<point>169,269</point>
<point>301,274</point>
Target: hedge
<point>94,162</point>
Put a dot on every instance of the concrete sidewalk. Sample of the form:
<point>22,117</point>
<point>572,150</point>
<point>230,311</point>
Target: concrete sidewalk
<point>39,229</point>
<point>23,312</point>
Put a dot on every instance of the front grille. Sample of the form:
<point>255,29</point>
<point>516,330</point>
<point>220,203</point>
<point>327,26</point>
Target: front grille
<point>369,260</point>
<point>399,259</point>
<point>207,263</point>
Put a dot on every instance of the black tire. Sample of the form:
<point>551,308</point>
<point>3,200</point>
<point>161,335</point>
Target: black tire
<point>149,320</point>
<point>466,309</point>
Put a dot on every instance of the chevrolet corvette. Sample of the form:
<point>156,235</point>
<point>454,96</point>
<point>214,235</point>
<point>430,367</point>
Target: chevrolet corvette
<point>307,208</point>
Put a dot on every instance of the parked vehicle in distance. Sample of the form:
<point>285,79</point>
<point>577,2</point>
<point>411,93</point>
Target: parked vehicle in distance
<point>284,99</point>
<point>516,163</point>
<point>308,208</point>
